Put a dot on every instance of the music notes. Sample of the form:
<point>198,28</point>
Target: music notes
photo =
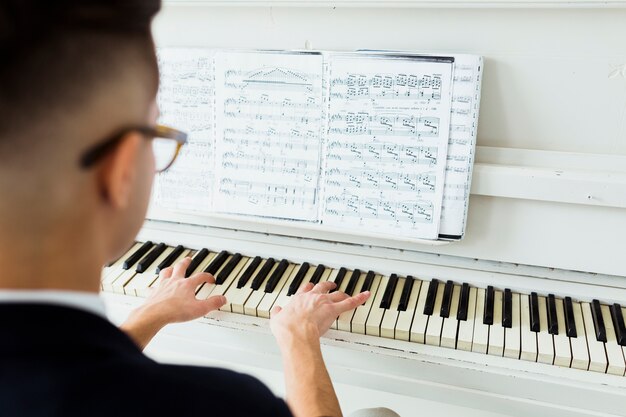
<point>372,142</point>
<point>463,127</point>
<point>270,120</point>
<point>385,158</point>
<point>185,100</point>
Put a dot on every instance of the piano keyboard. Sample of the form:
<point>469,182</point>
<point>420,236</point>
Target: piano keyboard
<point>546,329</point>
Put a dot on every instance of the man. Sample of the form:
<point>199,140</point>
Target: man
<point>78,81</point>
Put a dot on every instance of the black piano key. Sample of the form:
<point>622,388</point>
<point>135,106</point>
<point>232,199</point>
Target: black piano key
<point>135,257</point>
<point>196,261</point>
<point>317,274</point>
<point>169,260</point>
<point>245,277</point>
<point>446,301</point>
<point>228,269</point>
<point>263,273</point>
<point>406,293</point>
<point>369,280</point>
<point>618,324</point>
<point>534,312</point>
<point>570,322</point>
<point>461,313</point>
<point>276,276</point>
<point>430,297</point>
<point>389,291</point>
<point>341,274</point>
<point>217,262</point>
<point>553,324</point>
<point>149,259</point>
<point>352,283</point>
<point>598,321</point>
<point>507,309</point>
<point>297,280</point>
<point>489,305</point>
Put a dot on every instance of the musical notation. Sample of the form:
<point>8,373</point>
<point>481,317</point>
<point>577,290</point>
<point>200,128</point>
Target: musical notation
<point>376,213</point>
<point>387,139</point>
<point>464,117</point>
<point>363,123</point>
<point>185,100</point>
<point>387,86</point>
<point>270,117</point>
<point>393,153</point>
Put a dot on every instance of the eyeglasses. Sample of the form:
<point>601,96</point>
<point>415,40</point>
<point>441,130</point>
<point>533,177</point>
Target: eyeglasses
<point>166,144</point>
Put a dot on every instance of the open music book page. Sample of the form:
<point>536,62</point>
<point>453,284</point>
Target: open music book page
<point>269,120</point>
<point>385,160</point>
<point>467,78</point>
<point>185,101</point>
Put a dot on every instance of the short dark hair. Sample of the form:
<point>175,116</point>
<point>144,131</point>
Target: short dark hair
<point>53,51</point>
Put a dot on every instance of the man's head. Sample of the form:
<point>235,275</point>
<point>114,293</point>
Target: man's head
<point>71,74</point>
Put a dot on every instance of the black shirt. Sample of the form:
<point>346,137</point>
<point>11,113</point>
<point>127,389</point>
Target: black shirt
<point>59,361</point>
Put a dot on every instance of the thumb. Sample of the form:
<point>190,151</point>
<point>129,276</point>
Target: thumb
<point>213,303</point>
<point>275,310</point>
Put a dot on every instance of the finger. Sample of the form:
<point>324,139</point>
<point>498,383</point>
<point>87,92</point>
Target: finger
<point>305,288</point>
<point>213,303</point>
<point>275,310</point>
<point>351,303</point>
<point>324,287</point>
<point>338,296</point>
<point>180,267</point>
<point>166,272</point>
<point>200,278</point>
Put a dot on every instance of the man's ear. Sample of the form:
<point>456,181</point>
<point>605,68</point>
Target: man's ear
<point>118,171</point>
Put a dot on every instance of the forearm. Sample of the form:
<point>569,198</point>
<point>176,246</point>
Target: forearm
<point>310,392</point>
<point>141,326</point>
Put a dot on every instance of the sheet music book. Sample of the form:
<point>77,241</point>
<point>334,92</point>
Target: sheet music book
<point>366,141</point>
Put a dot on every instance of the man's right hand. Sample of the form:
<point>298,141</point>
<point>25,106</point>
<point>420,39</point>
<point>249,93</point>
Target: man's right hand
<point>311,312</point>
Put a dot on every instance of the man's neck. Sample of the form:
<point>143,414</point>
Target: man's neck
<point>47,263</point>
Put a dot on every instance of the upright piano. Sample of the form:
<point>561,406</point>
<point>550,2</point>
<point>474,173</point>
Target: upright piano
<point>525,315</point>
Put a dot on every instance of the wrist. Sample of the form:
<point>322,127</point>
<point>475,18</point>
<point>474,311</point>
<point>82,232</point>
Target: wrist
<point>297,336</point>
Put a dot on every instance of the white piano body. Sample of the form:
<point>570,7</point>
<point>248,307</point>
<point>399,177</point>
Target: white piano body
<point>547,211</point>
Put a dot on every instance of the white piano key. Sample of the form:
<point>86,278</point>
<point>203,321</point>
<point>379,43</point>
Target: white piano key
<point>237,297</point>
<point>597,354</point>
<point>481,330</point>
<point>420,320</point>
<point>342,288</point>
<point>448,332</point>
<point>529,338</point>
<point>405,318</point>
<point>253,301</point>
<point>116,269</point>
<point>266,304</point>
<point>117,285</point>
<point>375,317</point>
<point>388,325</point>
<point>435,322</point>
<point>545,344</point>
<point>359,319</point>
<point>580,353</point>
<point>344,321</point>
<point>513,336</point>
<point>496,331</point>
<point>466,327</point>
<point>562,350</point>
<point>614,353</point>
<point>117,265</point>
